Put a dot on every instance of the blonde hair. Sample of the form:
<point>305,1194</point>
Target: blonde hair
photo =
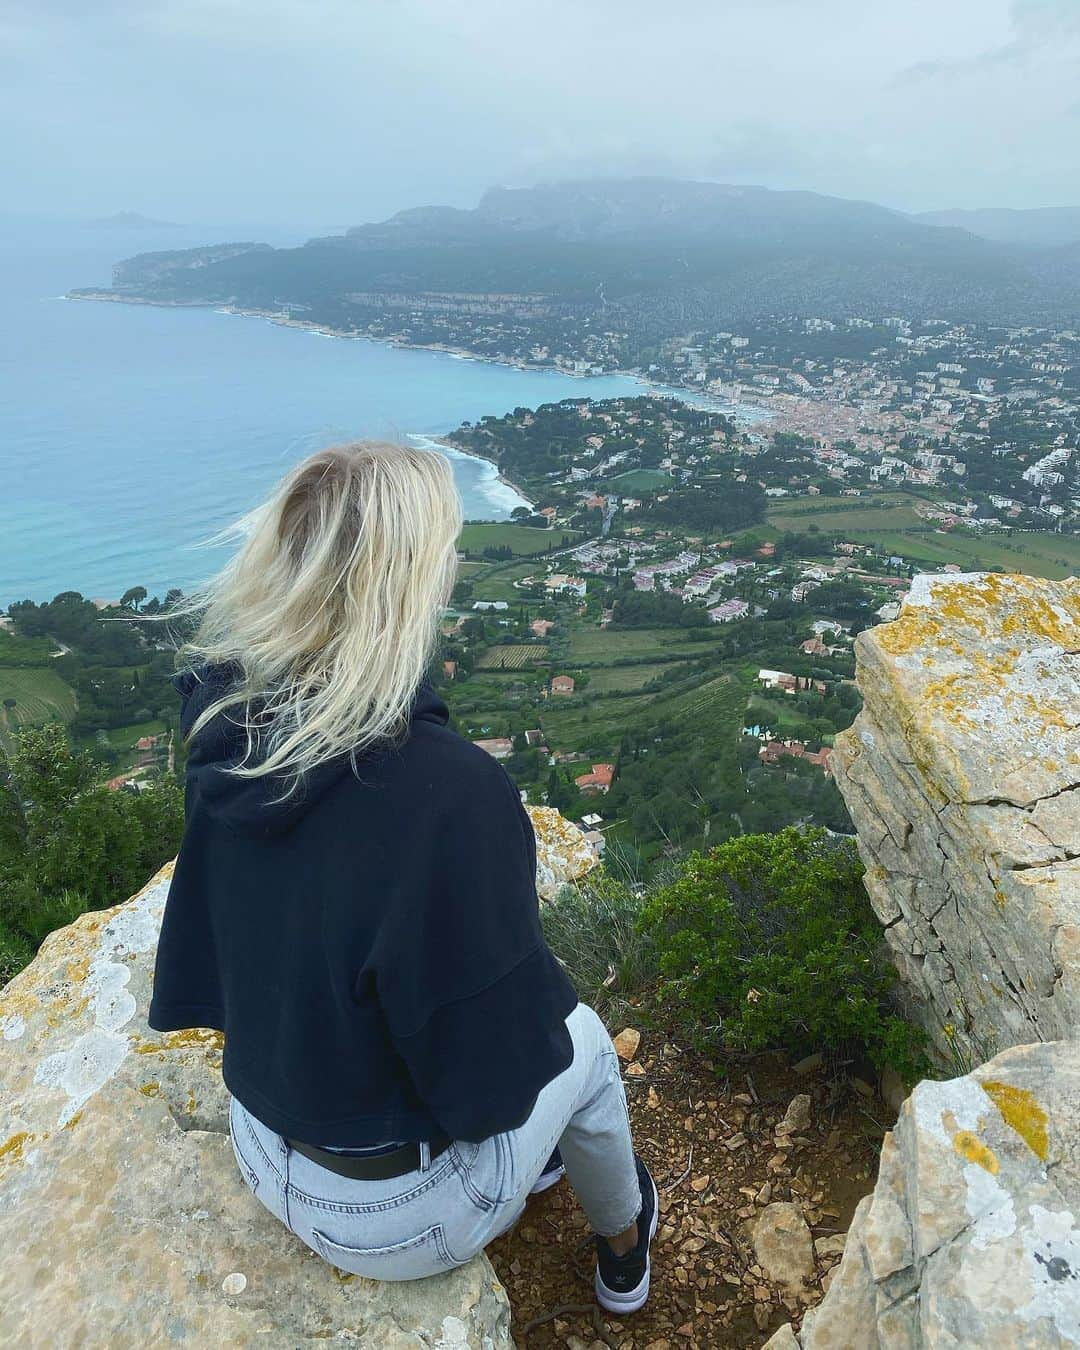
<point>331,606</point>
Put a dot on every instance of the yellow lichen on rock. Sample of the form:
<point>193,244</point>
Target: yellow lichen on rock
<point>971,1147</point>
<point>1019,1109</point>
<point>563,854</point>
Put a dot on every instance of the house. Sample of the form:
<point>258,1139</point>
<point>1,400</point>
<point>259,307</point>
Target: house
<point>597,781</point>
<point>450,669</point>
<point>730,609</point>
<point>778,679</point>
<point>773,751</point>
<point>535,737</point>
<point>595,840</point>
<point>562,684</point>
<point>595,503</point>
<point>561,584</point>
<point>498,747</point>
<point>814,646</point>
<point>146,743</point>
<point>549,512</point>
<point>490,604</point>
<point>541,627</point>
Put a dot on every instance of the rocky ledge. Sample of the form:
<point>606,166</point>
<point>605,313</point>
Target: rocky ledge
<point>961,774</point>
<point>118,1188</point>
<point>122,1214</point>
<point>971,1236</point>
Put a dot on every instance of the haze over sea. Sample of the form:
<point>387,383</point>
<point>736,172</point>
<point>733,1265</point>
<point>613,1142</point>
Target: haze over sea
<point>130,434</point>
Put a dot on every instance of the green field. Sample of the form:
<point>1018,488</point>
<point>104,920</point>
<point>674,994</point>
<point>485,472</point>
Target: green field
<point>599,725</point>
<point>523,540</point>
<point>640,480</point>
<point>125,737</point>
<point>604,679</point>
<point>40,696</point>
<point>898,528</point>
<point>855,516</point>
<point>1036,553</point>
<point>587,645</point>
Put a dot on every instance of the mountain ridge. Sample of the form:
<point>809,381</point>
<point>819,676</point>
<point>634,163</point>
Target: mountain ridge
<point>658,255</point>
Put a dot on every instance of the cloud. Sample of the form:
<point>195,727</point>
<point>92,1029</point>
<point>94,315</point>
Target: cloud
<point>351,109</point>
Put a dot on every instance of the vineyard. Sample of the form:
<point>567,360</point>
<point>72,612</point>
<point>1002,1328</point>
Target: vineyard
<point>512,657</point>
<point>40,696</point>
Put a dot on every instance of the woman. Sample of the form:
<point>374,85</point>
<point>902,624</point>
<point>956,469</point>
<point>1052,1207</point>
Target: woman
<point>354,905</point>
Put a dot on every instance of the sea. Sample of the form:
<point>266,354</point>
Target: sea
<point>132,436</point>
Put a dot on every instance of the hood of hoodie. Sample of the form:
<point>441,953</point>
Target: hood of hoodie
<point>248,805</point>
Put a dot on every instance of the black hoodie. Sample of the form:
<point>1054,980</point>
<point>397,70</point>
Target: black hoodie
<point>372,947</point>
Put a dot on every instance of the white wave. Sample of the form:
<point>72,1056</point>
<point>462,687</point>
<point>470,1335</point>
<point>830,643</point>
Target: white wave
<point>489,485</point>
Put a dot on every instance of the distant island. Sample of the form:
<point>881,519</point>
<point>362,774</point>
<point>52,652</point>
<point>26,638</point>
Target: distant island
<point>130,220</point>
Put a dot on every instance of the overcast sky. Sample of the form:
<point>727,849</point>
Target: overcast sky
<point>338,111</point>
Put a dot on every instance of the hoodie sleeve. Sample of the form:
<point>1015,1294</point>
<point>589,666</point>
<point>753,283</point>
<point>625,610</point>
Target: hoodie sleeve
<point>475,1001</point>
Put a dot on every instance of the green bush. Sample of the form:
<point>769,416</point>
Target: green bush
<point>769,941</point>
<point>68,844</point>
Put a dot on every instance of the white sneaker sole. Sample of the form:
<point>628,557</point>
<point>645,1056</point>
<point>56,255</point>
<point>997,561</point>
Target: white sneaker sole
<point>633,1299</point>
<point>547,1180</point>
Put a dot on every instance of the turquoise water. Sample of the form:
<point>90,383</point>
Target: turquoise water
<point>130,434</point>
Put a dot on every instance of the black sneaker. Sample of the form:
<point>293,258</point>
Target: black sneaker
<point>622,1282</point>
<point>553,1172</point>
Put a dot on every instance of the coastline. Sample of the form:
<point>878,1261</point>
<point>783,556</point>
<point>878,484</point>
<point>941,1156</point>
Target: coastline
<point>694,398</point>
<point>444,443</point>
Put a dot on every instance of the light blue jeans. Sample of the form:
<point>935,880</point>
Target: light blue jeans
<point>441,1215</point>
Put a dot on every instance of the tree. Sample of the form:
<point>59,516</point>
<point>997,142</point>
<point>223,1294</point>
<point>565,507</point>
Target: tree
<point>133,598</point>
<point>68,844</point>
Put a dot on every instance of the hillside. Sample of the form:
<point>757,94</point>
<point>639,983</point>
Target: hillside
<point>652,256</point>
<point>1045,227</point>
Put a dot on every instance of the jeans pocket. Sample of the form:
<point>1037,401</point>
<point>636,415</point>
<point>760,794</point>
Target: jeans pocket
<point>413,1259</point>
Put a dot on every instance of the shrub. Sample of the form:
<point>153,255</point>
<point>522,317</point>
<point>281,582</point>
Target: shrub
<point>769,941</point>
<point>594,928</point>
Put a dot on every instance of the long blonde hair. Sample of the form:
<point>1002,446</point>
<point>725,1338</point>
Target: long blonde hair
<point>331,606</point>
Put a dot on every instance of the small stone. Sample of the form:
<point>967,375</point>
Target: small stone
<point>653,1100</point>
<point>635,1070</point>
<point>783,1246</point>
<point>627,1042</point>
<point>762,1316</point>
<point>765,1194</point>
<point>810,1064</point>
<point>699,1183</point>
<point>797,1117</point>
<point>862,1087</point>
<point>235,1283</point>
<point>833,1245</point>
<point>735,1142</point>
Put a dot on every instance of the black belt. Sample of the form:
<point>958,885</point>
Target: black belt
<point>378,1167</point>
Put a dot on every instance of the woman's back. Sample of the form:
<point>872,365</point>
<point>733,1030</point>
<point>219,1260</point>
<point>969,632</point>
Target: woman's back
<point>372,939</point>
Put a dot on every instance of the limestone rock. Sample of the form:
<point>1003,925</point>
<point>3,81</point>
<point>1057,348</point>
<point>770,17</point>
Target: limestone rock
<point>962,776</point>
<point>797,1117</point>
<point>123,1218</point>
<point>784,1339</point>
<point>972,1234</point>
<point>626,1042</point>
<point>563,854</point>
<point>783,1246</point>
